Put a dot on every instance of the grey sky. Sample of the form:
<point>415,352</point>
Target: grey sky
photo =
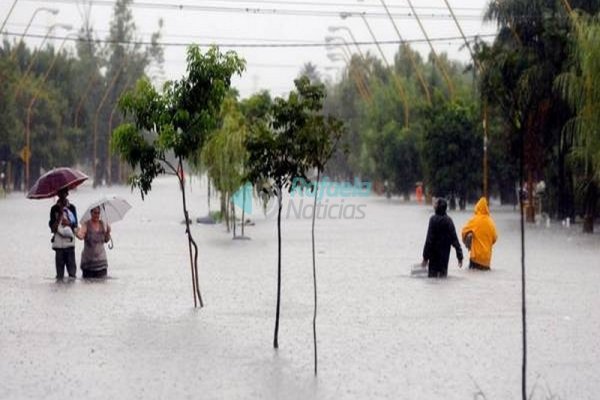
<point>266,22</point>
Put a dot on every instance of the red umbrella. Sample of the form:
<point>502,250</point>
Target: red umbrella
<point>53,181</point>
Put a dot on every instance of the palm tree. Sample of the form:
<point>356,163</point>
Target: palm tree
<point>580,87</point>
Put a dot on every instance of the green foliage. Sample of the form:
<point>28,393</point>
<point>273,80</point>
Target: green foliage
<point>580,87</point>
<point>275,147</point>
<point>293,137</point>
<point>452,151</point>
<point>256,108</point>
<point>180,119</point>
<point>224,154</point>
<point>519,70</point>
<point>380,146</point>
<point>74,98</point>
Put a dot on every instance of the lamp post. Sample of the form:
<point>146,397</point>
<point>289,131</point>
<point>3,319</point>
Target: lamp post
<point>348,52</point>
<point>27,150</point>
<point>341,56</point>
<point>66,27</point>
<point>410,54</point>
<point>330,40</point>
<point>433,52</point>
<point>397,82</point>
<point>334,29</point>
<point>53,11</point>
<point>8,15</point>
<point>478,67</point>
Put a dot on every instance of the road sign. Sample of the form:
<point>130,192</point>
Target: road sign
<point>25,154</point>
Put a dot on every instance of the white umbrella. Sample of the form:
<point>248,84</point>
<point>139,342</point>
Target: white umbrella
<point>112,209</point>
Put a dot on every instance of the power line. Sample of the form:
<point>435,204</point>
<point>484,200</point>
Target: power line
<point>44,28</point>
<point>269,11</point>
<point>278,3</point>
<point>329,4</point>
<point>245,45</point>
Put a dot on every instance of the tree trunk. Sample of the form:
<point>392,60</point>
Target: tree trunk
<point>208,195</point>
<point>530,209</point>
<point>315,268</point>
<point>225,200</point>
<point>233,217</point>
<point>276,336</point>
<point>462,202</point>
<point>523,273</point>
<point>243,207</point>
<point>191,242</point>
<point>591,198</point>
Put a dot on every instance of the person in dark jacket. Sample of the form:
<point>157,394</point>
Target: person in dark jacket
<point>441,234</point>
<point>63,223</point>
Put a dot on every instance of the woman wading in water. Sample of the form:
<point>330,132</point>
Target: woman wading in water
<point>94,233</point>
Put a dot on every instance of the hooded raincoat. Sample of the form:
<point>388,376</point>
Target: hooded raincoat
<point>483,232</point>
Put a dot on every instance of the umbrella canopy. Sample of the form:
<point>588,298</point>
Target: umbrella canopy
<point>55,180</point>
<point>112,209</point>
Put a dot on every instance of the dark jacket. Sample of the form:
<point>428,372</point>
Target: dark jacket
<point>441,234</point>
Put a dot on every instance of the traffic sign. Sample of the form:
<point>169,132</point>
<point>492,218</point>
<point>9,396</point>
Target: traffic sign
<point>25,154</point>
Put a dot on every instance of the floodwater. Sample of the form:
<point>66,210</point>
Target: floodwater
<point>383,333</point>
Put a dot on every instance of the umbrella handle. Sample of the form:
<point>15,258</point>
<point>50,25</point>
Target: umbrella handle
<point>110,244</point>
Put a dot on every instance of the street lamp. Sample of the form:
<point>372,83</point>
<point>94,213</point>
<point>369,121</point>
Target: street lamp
<point>331,39</point>
<point>66,27</point>
<point>53,11</point>
<point>360,85</point>
<point>27,150</point>
<point>433,52</point>
<point>342,44</point>
<point>479,68</point>
<point>334,29</point>
<point>397,82</point>
<point>8,15</point>
<point>410,54</point>
<point>348,52</point>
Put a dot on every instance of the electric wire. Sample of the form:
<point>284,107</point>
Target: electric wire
<point>247,45</point>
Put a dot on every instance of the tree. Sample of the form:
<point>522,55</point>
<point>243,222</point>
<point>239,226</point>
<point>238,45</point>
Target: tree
<point>581,89</point>
<point>319,136</point>
<point>176,122</point>
<point>529,52</point>
<point>452,155</point>
<point>277,155</point>
<point>310,71</point>
<point>224,155</point>
<point>126,61</point>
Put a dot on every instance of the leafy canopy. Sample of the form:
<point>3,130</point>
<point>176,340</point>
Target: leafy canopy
<point>293,137</point>
<point>180,119</point>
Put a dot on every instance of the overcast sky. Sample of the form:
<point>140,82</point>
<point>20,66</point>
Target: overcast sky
<point>267,23</point>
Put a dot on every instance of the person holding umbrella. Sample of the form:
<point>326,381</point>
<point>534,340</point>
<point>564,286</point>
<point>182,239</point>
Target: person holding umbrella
<point>94,233</point>
<point>63,223</point>
<point>63,215</point>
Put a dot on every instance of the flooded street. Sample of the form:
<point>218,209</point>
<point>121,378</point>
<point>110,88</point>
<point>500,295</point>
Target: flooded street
<point>382,332</point>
